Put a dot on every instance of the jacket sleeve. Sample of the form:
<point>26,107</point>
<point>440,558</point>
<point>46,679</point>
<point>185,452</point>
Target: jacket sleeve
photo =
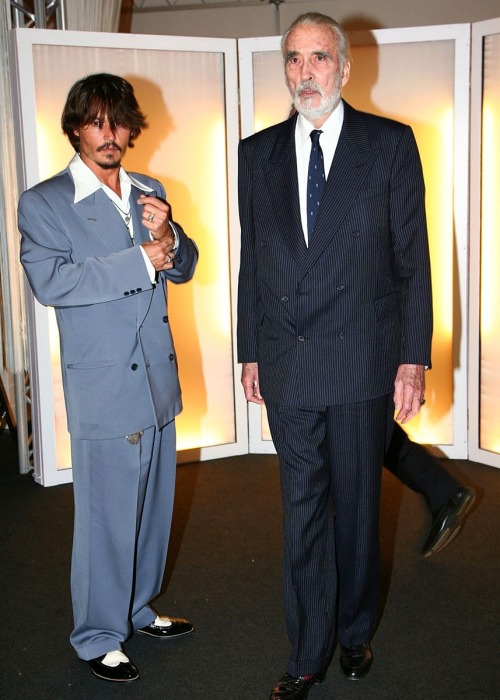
<point>411,251</point>
<point>56,278</point>
<point>247,280</point>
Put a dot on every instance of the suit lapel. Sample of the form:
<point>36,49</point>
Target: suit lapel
<point>353,160</point>
<point>283,188</point>
<point>100,216</point>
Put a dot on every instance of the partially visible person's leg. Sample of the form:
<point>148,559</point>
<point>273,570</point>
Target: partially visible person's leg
<point>448,501</point>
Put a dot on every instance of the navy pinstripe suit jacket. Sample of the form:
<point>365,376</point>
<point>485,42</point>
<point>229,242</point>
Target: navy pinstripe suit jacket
<point>330,324</point>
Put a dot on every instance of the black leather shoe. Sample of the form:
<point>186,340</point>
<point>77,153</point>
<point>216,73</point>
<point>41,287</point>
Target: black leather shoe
<point>292,688</point>
<point>178,628</point>
<point>449,521</point>
<point>122,673</point>
<point>356,662</point>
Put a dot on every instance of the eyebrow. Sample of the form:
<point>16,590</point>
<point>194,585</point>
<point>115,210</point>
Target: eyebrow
<point>323,54</point>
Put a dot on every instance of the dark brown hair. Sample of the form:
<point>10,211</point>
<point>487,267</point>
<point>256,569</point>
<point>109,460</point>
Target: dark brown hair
<point>98,95</point>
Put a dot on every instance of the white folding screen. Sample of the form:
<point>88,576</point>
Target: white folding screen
<point>484,333</point>
<point>419,76</point>
<point>188,89</point>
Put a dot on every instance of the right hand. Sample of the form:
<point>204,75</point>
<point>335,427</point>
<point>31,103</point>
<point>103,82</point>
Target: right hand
<point>250,381</point>
<point>160,253</point>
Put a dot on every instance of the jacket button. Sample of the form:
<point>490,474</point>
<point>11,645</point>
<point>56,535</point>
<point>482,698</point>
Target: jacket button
<point>134,367</point>
<point>340,287</point>
<point>263,244</point>
<point>356,234</point>
<point>138,289</point>
<point>301,338</point>
<point>126,293</point>
<point>171,357</point>
<point>285,298</point>
<point>341,336</point>
<point>165,319</point>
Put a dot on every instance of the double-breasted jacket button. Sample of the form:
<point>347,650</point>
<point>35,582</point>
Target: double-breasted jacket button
<point>301,338</point>
<point>134,366</point>
<point>171,356</point>
<point>284,298</point>
<point>165,319</point>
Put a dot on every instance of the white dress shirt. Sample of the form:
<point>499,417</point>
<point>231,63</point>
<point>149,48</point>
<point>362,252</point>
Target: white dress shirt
<point>328,141</point>
<point>87,182</point>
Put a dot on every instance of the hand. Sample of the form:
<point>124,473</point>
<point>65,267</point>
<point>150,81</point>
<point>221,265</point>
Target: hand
<point>160,253</point>
<point>409,387</point>
<point>250,381</point>
<point>155,216</point>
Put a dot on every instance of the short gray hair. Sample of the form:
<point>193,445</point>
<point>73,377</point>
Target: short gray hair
<point>311,18</point>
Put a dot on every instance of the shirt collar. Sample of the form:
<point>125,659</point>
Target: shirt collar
<point>331,128</point>
<point>87,183</point>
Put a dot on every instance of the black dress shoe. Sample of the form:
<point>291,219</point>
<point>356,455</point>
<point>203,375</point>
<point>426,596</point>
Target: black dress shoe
<point>122,673</point>
<point>356,662</point>
<point>448,522</point>
<point>177,628</point>
<point>292,688</point>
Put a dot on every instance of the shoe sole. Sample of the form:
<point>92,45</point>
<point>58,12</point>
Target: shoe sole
<point>448,535</point>
<point>115,680</point>
<point>162,636</point>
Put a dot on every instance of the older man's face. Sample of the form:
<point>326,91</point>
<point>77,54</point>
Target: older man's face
<point>313,72</point>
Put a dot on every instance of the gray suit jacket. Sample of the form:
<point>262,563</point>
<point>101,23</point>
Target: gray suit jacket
<point>330,324</point>
<point>118,360</point>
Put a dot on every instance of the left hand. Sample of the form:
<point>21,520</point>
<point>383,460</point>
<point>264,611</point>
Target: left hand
<point>155,216</point>
<point>409,388</point>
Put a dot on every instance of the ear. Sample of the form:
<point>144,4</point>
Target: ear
<point>346,72</point>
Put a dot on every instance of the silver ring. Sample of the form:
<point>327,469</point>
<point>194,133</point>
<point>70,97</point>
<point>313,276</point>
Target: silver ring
<point>169,259</point>
<point>422,401</point>
<point>151,217</point>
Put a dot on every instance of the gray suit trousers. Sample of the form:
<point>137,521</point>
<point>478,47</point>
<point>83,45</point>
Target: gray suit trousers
<point>123,509</point>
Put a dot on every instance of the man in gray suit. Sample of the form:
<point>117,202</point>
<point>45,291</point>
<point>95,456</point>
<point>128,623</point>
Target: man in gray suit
<point>98,245</point>
<point>334,331</point>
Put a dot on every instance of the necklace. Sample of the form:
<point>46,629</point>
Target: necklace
<point>126,216</point>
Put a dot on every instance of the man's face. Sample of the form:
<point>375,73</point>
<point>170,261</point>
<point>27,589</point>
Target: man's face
<point>102,146</point>
<point>313,73</point>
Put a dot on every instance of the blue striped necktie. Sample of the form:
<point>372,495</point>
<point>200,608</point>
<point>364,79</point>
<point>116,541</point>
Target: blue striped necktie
<point>315,181</point>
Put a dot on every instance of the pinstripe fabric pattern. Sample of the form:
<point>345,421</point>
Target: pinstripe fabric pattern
<point>328,325</point>
<point>334,468</point>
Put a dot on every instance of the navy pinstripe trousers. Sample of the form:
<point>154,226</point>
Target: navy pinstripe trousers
<point>330,466</point>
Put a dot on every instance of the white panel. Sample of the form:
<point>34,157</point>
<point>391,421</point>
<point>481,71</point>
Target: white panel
<point>484,329</point>
<point>188,90</point>
<point>418,76</point>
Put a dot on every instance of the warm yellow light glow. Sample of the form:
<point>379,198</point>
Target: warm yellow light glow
<point>489,433</point>
<point>439,187</point>
<point>490,224</point>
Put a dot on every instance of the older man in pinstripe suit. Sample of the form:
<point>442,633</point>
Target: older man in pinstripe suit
<point>334,331</point>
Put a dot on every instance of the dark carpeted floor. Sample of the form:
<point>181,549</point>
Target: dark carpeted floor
<point>438,637</point>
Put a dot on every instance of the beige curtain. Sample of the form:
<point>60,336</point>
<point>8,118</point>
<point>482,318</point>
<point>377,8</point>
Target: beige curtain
<point>93,15</point>
<point>13,361</point>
